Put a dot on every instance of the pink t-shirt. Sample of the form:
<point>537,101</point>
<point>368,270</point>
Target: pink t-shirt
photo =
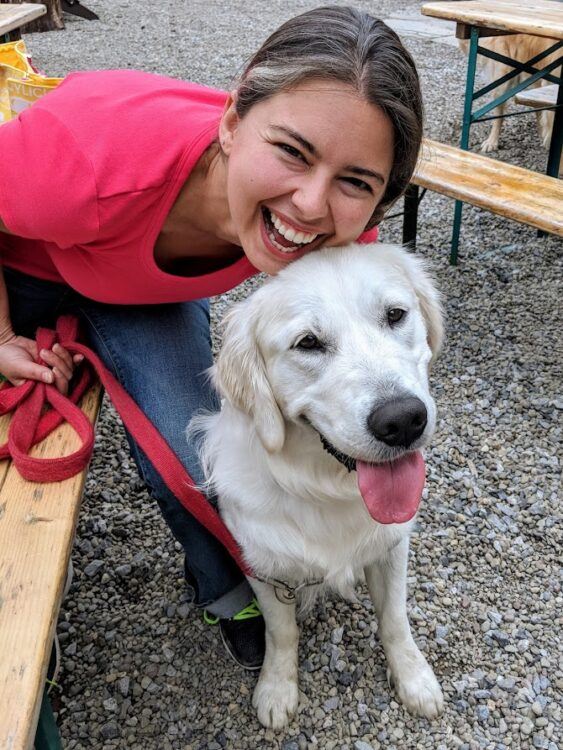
<point>89,174</point>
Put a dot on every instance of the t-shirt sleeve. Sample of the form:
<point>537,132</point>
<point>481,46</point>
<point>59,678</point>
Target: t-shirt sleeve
<point>47,184</point>
<point>370,236</point>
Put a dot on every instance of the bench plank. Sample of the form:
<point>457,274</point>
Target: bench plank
<point>504,189</point>
<point>15,16</point>
<point>541,96</point>
<point>37,525</point>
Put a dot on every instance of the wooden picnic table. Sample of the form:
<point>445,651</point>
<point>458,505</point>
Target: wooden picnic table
<point>479,18</point>
<point>15,16</point>
<point>540,18</point>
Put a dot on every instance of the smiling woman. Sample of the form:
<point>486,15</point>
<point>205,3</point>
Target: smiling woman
<point>350,47</point>
<point>312,188</point>
<point>129,198</point>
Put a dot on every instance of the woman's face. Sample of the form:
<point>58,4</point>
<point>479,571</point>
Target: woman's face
<point>306,168</point>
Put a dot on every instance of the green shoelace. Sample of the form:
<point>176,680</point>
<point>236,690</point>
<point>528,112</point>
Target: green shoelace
<point>250,611</point>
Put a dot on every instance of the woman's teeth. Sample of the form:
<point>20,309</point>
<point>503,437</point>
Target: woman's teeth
<point>300,238</point>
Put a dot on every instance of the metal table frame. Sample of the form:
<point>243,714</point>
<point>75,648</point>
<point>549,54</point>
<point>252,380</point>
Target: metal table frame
<point>470,117</point>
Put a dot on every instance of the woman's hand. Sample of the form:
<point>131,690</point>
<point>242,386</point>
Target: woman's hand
<point>18,363</point>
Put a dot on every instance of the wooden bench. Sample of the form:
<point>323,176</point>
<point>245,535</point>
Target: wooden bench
<point>13,17</point>
<point>37,526</point>
<point>516,193</point>
<point>541,96</point>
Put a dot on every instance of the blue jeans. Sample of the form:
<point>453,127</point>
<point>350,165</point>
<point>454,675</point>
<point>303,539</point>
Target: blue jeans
<point>159,353</point>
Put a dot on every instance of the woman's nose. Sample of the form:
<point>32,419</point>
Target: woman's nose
<point>311,198</point>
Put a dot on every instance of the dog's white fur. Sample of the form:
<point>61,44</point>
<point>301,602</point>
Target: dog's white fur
<point>521,47</point>
<point>294,509</point>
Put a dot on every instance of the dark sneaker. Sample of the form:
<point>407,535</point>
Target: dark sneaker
<point>243,635</point>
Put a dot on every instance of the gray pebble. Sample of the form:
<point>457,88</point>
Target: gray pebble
<point>336,635</point>
<point>482,713</point>
<point>123,685</point>
<point>93,568</point>
<point>110,731</point>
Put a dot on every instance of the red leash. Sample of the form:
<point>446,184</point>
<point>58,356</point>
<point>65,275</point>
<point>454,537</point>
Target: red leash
<point>29,426</point>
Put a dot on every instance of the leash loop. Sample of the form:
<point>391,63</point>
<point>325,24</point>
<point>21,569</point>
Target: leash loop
<point>30,424</point>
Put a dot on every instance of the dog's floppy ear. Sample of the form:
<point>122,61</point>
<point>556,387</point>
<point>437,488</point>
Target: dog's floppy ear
<point>429,301</point>
<point>240,374</point>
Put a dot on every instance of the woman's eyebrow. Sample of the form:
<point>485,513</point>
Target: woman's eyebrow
<point>299,138</point>
<point>366,173</point>
<point>313,151</point>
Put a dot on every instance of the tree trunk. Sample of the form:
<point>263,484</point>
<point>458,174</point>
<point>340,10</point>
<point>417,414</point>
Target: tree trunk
<point>53,19</point>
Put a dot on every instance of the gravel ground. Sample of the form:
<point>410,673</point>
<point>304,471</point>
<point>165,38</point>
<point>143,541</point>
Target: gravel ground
<point>141,671</point>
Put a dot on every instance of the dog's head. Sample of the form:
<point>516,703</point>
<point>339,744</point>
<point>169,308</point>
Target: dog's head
<point>340,341</point>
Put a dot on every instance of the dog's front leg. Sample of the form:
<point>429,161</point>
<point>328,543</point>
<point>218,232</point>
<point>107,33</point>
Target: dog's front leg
<point>411,674</point>
<point>276,695</point>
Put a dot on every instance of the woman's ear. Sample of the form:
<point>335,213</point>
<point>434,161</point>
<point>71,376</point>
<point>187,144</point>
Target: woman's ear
<point>229,123</point>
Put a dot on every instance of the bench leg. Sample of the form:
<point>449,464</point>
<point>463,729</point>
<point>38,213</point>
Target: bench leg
<point>466,125</point>
<point>556,143</point>
<point>455,233</point>
<point>410,217</point>
<point>47,736</point>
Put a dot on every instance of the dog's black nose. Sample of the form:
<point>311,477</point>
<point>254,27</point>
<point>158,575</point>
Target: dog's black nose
<point>399,422</point>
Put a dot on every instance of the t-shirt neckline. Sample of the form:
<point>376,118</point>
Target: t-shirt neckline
<point>240,268</point>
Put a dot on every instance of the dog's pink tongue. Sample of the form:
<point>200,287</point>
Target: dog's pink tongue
<point>392,490</point>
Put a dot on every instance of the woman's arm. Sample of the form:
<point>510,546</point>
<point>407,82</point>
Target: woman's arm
<point>18,354</point>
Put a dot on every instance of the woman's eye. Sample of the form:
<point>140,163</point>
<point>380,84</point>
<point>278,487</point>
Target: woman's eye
<point>291,151</point>
<point>359,184</point>
<point>394,315</point>
<point>310,342</point>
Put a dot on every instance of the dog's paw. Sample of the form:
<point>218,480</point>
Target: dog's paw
<point>489,144</point>
<point>275,702</point>
<point>546,139</point>
<point>416,686</point>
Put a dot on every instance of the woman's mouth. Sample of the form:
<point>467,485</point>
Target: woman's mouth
<point>286,239</point>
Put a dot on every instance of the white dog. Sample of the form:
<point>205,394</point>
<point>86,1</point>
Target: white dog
<point>315,454</point>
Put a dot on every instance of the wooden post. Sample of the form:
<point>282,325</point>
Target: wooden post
<point>53,19</point>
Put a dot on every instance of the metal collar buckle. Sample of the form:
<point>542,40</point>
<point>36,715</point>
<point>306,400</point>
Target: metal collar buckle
<point>285,593</point>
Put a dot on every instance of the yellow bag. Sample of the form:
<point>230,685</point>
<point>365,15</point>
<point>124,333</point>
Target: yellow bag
<point>14,63</point>
<point>20,83</point>
<point>24,91</point>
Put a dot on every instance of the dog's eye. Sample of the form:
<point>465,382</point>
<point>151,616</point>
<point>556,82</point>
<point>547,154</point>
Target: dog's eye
<point>309,342</point>
<point>394,315</point>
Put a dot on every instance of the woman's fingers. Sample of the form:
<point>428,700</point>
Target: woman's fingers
<point>64,355</point>
<point>61,381</point>
<point>58,361</point>
<point>31,371</point>
<point>62,363</point>
<point>17,363</point>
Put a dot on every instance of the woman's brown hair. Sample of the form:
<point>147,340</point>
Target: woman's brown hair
<point>348,45</point>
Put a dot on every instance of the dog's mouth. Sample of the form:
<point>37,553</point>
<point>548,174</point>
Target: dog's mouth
<point>391,490</point>
<point>347,461</point>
